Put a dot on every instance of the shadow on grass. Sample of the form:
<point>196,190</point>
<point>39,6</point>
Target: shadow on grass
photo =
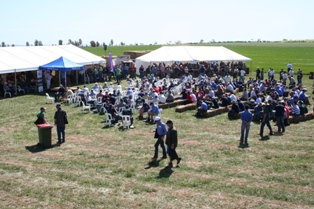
<point>153,164</point>
<point>264,138</point>
<point>39,148</point>
<point>278,134</point>
<point>165,173</point>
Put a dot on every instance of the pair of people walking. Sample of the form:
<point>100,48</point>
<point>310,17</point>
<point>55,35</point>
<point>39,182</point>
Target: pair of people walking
<point>171,141</point>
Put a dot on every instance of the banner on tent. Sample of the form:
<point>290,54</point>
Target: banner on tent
<point>40,81</point>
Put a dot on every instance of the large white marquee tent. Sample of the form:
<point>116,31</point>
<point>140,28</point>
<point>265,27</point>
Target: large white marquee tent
<point>21,59</point>
<point>171,54</point>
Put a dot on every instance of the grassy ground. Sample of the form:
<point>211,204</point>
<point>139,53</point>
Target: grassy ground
<point>102,167</point>
<point>263,55</point>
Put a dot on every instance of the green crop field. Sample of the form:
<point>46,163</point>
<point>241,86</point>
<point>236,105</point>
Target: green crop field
<point>263,55</point>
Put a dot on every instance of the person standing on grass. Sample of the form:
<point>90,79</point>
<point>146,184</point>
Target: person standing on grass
<point>160,134</point>
<point>265,119</point>
<point>246,118</point>
<point>118,74</point>
<point>60,121</point>
<point>172,143</point>
<point>48,77</point>
<point>279,114</point>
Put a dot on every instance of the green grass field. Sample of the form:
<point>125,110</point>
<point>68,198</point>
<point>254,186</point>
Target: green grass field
<point>102,167</point>
<point>263,55</point>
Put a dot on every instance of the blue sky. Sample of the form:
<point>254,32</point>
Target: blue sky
<point>162,21</point>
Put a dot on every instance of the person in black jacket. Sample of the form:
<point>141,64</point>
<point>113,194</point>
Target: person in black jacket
<point>172,143</point>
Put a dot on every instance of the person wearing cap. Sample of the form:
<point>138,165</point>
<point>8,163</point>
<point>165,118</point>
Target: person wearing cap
<point>60,121</point>
<point>246,118</point>
<point>172,143</point>
<point>105,85</point>
<point>265,119</point>
<point>161,132</point>
<point>279,114</point>
<point>41,116</point>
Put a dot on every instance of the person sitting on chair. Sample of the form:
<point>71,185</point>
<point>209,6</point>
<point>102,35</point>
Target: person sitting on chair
<point>59,93</point>
<point>145,107</point>
<point>154,111</point>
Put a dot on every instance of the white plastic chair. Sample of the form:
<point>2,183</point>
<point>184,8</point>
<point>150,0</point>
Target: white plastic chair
<point>99,99</point>
<point>19,89</point>
<point>120,110</point>
<point>78,100</point>
<point>133,108</point>
<point>159,114</point>
<point>126,121</point>
<point>69,100</point>
<point>85,107</point>
<point>103,109</point>
<point>49,99</point>
<point>7,93</point>
<point>108,119</point>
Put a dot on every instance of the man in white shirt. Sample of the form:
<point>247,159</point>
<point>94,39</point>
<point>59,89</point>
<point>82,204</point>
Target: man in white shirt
<point>233,97</point>
<point>229,88</point>
<point>253,94</point>
<point>242,74</point>
<point>194,97</point>
<point>48,77</point>
<point>227,78</point>
<point>211,93</point>
<point>85,90</point>
<point>162,98</point>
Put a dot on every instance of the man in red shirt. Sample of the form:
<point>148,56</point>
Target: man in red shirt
<point>189,98</point>
<point>200,94</point>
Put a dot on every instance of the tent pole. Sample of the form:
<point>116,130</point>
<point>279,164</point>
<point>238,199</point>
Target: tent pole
<point>15,82</point>
<point>59,77</point>
<point>76,77</point>
<point>65,80</point>
<point>251,66</point>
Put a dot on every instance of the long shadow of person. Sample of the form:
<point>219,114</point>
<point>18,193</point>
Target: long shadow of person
<point>153,163</point>
<point>165,173</point>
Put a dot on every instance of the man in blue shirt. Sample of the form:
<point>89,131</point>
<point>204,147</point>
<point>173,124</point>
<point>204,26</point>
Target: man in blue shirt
<point>153,111</point>
<point>246,117</point>
<point>304,97</point>
<point>160,134</point>
<point>202,109</point>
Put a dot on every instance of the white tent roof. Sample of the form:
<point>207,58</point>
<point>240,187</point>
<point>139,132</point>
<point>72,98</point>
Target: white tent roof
<point>20,59</point>
<point>192,53</point>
